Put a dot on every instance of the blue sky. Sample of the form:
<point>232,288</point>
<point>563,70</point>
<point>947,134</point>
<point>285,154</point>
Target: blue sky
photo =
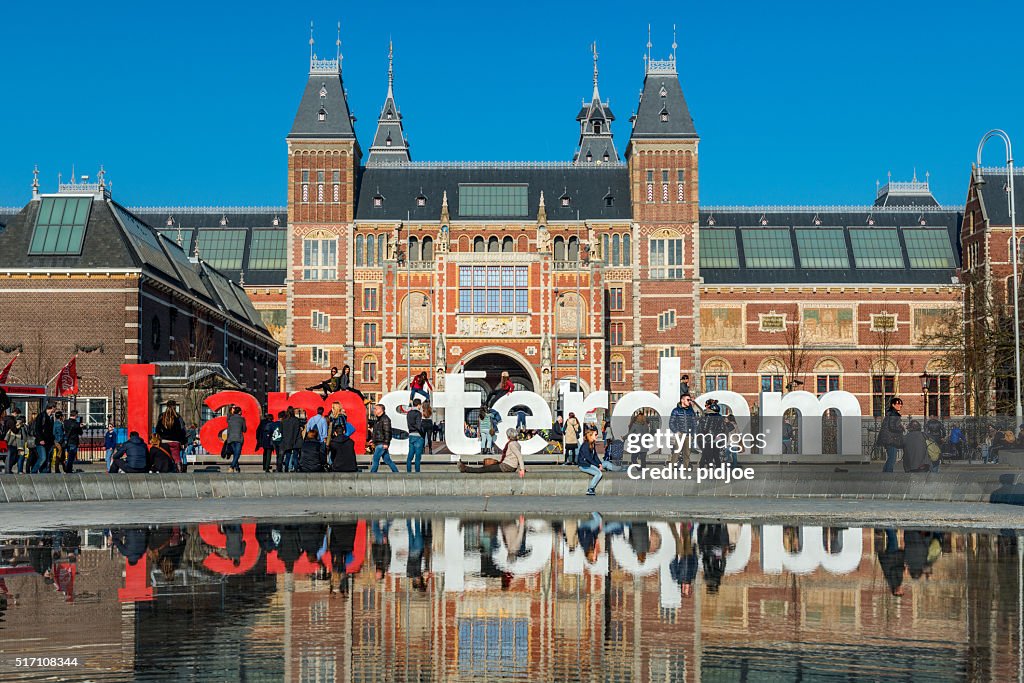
<point>189,103</point>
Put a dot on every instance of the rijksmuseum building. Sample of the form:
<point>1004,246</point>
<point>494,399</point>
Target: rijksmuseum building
<point>592,268</point>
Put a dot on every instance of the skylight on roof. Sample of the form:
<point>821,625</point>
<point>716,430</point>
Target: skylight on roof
<point>876,248</point>
<point>822,248</point>
<point>60,225</point>
<point>493,200</point>
<point>222,248</point>
<point>268,251</point>
<point>718,248</point>
<point>929,248</point>
<point>767,248</point>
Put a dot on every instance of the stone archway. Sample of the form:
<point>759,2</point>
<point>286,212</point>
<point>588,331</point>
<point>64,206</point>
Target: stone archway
<point>494,359</point>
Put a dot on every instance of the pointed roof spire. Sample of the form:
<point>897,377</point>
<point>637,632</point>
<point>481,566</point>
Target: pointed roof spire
<point>312,42</point>
<point>675,45</point>
<point>35,182</point>
<point>542,212</point>
<point>323,111</point>
<point>338,43</point>
<point>595,117</point>
<point>389,143</point>
<point>593,48</point>
<point>444,207</point>
<point>649,45</point>
<point>391,68</point>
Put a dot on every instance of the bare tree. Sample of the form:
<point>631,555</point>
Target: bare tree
<point>797,355</point>
<point>194,354</point>
<point>40,361</point>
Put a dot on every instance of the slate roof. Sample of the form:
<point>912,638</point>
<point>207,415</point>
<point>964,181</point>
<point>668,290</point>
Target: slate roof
<point>845,218</point>
<point>647,121</point>
<point>116,238</point>
<point>192,220</point>
<point>995,199</point>
<point>586,187</point>
<point>338,122</point>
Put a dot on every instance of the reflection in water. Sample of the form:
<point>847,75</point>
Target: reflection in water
<point>515,599</point>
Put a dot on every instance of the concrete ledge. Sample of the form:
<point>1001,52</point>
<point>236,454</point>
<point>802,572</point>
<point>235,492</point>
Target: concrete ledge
<point>996,485</point>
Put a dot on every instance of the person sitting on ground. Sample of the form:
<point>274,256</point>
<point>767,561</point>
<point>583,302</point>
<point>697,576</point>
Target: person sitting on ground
<point>915,449</point>
<point>159,459</point>
<point>343,449</point>
<point>132,456</point>
<point>511,459</point>
<point>311,457</point>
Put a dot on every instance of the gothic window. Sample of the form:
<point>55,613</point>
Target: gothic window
<point>627,254</point>
<point>369,369</point>
<point>605,244</point>
<point>617,369</point>
<point>371,250</point>
<point>559,249</point>
<point>360,241</point>
<point>616,250</point>
<point>574,249</point>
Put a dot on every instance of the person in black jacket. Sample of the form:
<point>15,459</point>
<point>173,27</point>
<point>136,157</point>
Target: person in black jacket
<point>713,540</point>
<point>265,439</point>
<point>329,385</point>
<point>291,439</point>
<point>132,456</point>
<point>311,457</point>
<point>381,438</point>
<point>343,449</point>
<point>891,434</point>
<point>72,439</point>
<point>159,459</point>
<point>44,437</point>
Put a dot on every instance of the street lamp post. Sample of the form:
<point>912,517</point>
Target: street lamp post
<point>925,380</point>
<point>979,180</point>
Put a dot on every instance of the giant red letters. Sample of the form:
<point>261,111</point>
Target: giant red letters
<point>309,401</point>
<point>209,435</point>
<point>139,383</point>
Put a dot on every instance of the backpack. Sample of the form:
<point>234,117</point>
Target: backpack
<point>934,450</point>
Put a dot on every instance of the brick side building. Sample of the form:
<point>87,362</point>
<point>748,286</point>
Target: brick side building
<point>82,275</point>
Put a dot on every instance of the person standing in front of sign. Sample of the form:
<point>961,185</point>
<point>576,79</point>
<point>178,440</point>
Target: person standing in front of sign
<point>380,435</point>
<point>590,461</point>
<point>236,436</point>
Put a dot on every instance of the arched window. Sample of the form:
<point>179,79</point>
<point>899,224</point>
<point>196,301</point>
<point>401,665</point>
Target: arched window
<point>616,250</point>
<point>574,249</point>
<point>716,375</point>
<point>773,375</point>
<point>493,246</point>
<point>428,249</point>
<point>371,249</point>
<point>414,249</point>
<point>604,249</point>
<point>381,243</point>
<point>478,245</point>
<point>559,249</point>
<point>508,245</point>
<point>627,253</point>
<point>826,376</point>
<point>359,249</point>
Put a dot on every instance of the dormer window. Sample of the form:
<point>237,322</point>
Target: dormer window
<point>389,115</point>
<point>223,220</point>
<point>170,221</point>
<point>597,127</point>
<point>322,114</point>
<point>609,200</point>
<point>387,141</point>
<point>606,157</point>
<point>590,157</point>
<point>564,200</point>
<point>664,115</point>
<point>378,201</point>
<point>276,222</point>
<point>663,92</point>
<point>421,200</point>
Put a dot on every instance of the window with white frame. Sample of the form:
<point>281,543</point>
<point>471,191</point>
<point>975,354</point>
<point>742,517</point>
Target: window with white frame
<point>667,259</point>
<point>320,321</point>
<point>666,320</point>
<point>319,259</point>
<point>320,356</point>
<point>667,352</point>
<point>370,369</point>
<point>369,298</point>
<point>92,410</point>
<point>369,334</point>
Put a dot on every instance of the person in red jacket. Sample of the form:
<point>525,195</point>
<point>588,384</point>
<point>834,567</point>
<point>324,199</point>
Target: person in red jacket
<point>505,386</point>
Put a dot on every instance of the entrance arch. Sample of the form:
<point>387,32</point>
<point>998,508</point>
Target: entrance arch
<point>495,359</point>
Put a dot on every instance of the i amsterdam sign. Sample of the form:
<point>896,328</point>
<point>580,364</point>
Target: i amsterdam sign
<point>457,399</point>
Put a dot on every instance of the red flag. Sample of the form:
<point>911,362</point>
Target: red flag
<point>67,379</point>
<point>5,373</point>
